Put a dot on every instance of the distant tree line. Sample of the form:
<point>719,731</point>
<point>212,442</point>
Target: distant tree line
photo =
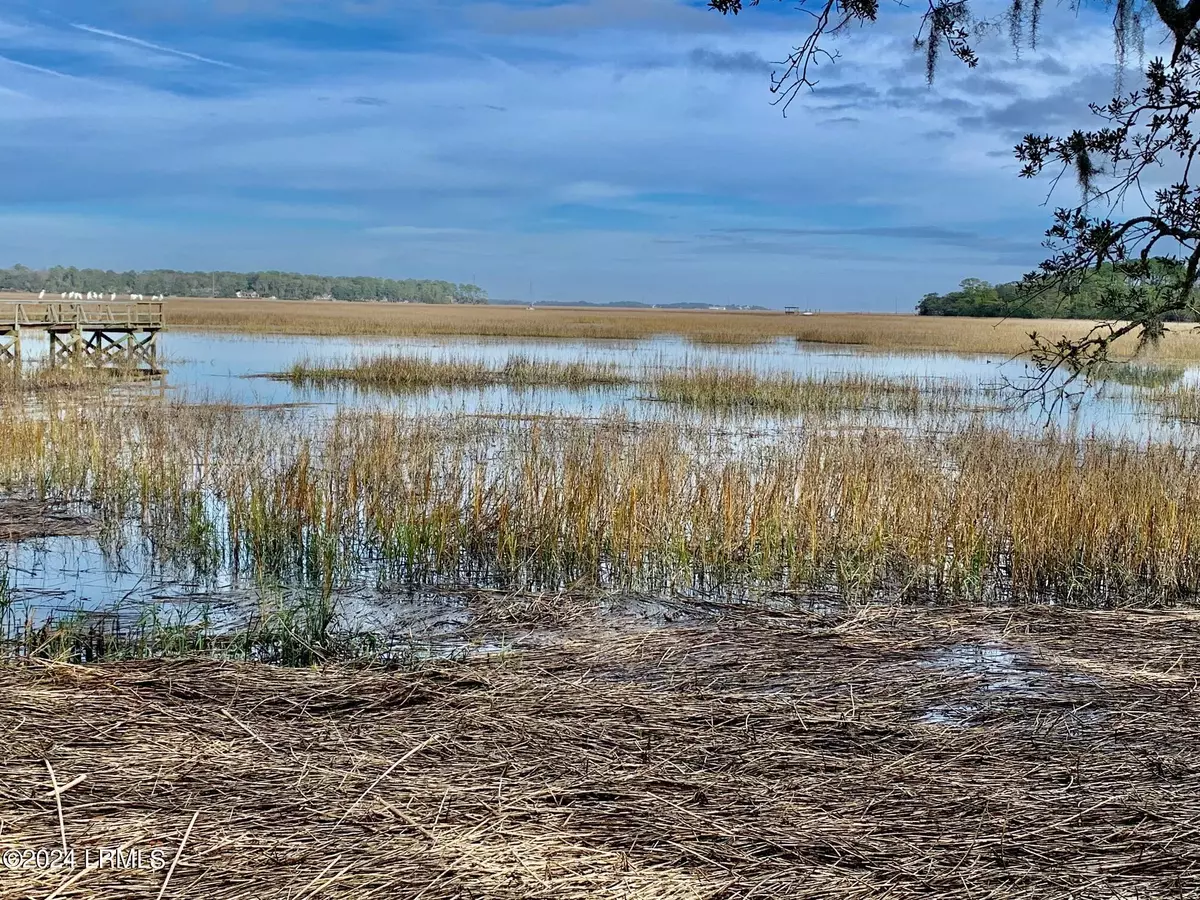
<point>283,285</point>
<point>1113,291</point>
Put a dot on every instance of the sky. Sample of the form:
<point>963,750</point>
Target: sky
<point>566,150</point>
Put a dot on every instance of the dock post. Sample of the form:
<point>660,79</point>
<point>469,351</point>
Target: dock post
<point>10,346</point>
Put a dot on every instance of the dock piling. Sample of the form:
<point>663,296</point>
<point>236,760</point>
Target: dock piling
<point>92,334</point>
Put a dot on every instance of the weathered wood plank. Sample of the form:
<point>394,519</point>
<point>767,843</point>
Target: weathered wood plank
<point>89,316</point>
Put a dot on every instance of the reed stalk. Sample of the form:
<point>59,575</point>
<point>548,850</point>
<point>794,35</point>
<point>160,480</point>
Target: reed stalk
<point>547,502</point>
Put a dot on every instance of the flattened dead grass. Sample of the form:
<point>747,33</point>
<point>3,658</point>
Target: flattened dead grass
<point>23,519</point>
<point>788,756</point>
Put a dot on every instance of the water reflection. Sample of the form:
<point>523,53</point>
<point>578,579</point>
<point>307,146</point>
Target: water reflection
<point>224,366</point>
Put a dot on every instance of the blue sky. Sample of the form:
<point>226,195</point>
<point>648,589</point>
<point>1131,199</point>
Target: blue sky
<point>600,149</point>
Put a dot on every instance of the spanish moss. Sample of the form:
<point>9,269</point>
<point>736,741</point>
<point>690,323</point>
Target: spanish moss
<point>1085,169</point>
<point>1124,24</point>
<point>1016,14</point>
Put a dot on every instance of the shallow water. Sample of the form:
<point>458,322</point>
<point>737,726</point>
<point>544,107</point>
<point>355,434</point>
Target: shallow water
<point>231,368</point>
<point>65,575</point>
<point>1000,678</point>
<point>224,366</point>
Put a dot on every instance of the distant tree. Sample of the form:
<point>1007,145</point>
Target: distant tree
<point>1105,293</point>
<point>1153,254</point>
<point>470,293</point>
<point>932,305</point>
<point>285,285</point>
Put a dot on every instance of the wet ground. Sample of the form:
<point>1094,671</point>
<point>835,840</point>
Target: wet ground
<point>751,753</point>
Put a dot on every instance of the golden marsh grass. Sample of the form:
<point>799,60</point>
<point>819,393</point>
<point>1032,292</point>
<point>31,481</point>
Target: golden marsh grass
<point>395,372</point>
<point>547,502</point>
<point>710,388</point>
<point>1003,337</point>
<point>732,390</point>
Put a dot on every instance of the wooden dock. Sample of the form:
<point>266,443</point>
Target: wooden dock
<point>93,333</point>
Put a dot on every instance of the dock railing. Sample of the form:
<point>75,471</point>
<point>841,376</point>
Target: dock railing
<point>91,315</point>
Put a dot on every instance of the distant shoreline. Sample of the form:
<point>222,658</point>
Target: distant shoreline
<point>541,304</point>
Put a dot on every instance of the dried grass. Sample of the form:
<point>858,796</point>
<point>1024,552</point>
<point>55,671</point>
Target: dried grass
<point>24,519</point>
<point>395,372</point>
<point>785,756</point>
<point>1004,337</point>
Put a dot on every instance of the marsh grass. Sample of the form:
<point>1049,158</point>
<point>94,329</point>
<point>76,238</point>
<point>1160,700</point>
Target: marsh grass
<point>1141,376</point>
<point>401,373</point>
<point>730,337</point>
<point>726,390</point>
<point>43,377</point>
<point>290,628</point>
<point>1001,337</point>
<point>708,388</point>
<point>545,503</point>
<point>1180,402</point>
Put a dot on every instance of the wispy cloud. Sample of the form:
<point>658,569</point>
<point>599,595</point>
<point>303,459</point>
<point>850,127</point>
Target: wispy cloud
<point>29,67</point>
<point>138,42</point>
<point>952,237</point>
<point>745,62</point>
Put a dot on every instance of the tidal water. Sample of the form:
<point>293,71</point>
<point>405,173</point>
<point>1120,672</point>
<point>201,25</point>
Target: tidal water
<point>72,576</point>
<point>233,368</point>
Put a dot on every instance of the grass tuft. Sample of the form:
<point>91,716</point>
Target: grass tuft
<point>411,373</point>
